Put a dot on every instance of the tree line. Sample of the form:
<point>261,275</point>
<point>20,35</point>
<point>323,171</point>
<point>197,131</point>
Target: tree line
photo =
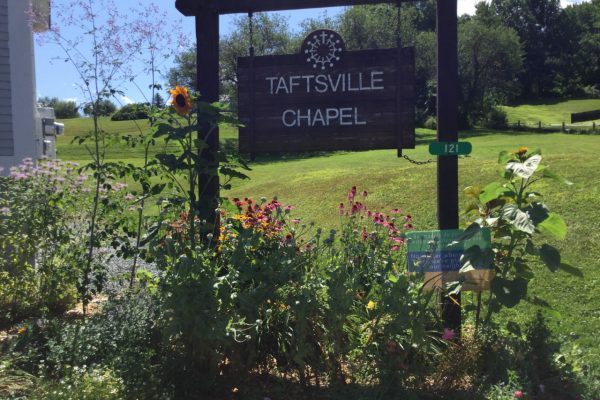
<point>509,50</point>
<point>65,109</point>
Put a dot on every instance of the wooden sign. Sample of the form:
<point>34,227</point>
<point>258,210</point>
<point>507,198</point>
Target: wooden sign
<point>326,98</point>
<point>196,7</point>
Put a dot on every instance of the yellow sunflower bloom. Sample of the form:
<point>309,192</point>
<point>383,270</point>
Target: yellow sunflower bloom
<point>371,305</point>
<point>522,150</point>
<point>182,103</point>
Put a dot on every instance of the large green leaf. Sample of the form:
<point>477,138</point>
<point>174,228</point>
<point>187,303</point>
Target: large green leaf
<point>504,157</point>
<point>471,231</point>
<point>550,256</point>
<point>525,169</point>
<point>517,218</point>
<point>476,258</point>
<point>553,226</point>
<point>549,174</point>
<point>509,292</point>
<point>472,191</point>
<point>538,212</point>
<point>492,191</point>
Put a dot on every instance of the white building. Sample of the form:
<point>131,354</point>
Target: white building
<point>20,125</point>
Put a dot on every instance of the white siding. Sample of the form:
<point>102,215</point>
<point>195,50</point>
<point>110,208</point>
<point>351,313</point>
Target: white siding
<point>20,135</point>
<point>6,129</point>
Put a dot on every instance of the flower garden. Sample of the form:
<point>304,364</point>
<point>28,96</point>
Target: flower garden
<point>110,291</point>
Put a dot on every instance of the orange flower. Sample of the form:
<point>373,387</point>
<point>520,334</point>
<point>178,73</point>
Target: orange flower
<point>182,103</point>
<point>21,330</point>
<point>522,150</point>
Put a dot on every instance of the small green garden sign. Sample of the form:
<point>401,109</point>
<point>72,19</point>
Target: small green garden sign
<point>441,251</point>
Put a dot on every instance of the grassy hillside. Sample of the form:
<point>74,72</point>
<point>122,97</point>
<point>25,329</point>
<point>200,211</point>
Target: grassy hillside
<point>67,150</point>
<point>550,112</point>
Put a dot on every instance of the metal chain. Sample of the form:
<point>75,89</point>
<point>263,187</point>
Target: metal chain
<point>398,28</point>
<point>410,160</point>
<point>251,26</point>
<point>429,161</point>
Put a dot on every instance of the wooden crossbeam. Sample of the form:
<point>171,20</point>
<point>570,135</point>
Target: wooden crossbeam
<point>585,116</point>
<point>194,7</point>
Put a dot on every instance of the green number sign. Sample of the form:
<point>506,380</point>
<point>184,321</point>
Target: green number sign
<point>450,148</point>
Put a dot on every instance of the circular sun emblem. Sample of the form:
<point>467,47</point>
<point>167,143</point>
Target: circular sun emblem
<point>323,48</point>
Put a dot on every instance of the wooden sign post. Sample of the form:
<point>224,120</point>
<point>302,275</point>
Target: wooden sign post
<point>207,14</point>
<point>447,131</point>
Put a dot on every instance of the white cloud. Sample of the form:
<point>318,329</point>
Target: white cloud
<point>74,99</point>
<point>565,3</point>
<point>126,100</point>
<point>467,6</point>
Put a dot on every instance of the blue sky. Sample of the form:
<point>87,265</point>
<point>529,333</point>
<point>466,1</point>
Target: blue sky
<point>55,78</point>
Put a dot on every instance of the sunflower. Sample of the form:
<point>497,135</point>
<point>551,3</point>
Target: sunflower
<point>522,150</point>
<point>181,100</point>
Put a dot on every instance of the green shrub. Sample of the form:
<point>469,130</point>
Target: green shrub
<point>105,108</point>
<point>131,112</point>
<point>431,123</point>
<point>40,215</point>
<point>83,384</point>
<point>495,118</point>
<point>121,338</point>
<point>63,109</point>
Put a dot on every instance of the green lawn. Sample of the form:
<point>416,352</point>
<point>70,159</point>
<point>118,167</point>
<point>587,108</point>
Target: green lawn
<point>69,150</point>
<point>550,111</point>
<point>315,184</point>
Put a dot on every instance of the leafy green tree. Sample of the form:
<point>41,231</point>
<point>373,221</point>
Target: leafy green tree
<point>271,35</point>
<point>184,71</point>
<point>579,65</point>
<point>322,21</point>
<point>490,58</point>
<point>375,26</point>
<point>538,24</point>
<point>159,101</point>
<point>105,108</point>
<point>63,109</point>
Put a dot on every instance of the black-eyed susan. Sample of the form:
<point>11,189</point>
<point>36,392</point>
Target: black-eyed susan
<point>181,101</point>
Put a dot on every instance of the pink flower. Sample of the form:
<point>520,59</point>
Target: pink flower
<point>364,234</point>
<point>395,248</point>
<point>365,193</point>
<point>397,240</point>
<point>448,334</point>
<point>396,211</point>
<point>352,193</point>
<point>518,394</point>
<point>295,221</point>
